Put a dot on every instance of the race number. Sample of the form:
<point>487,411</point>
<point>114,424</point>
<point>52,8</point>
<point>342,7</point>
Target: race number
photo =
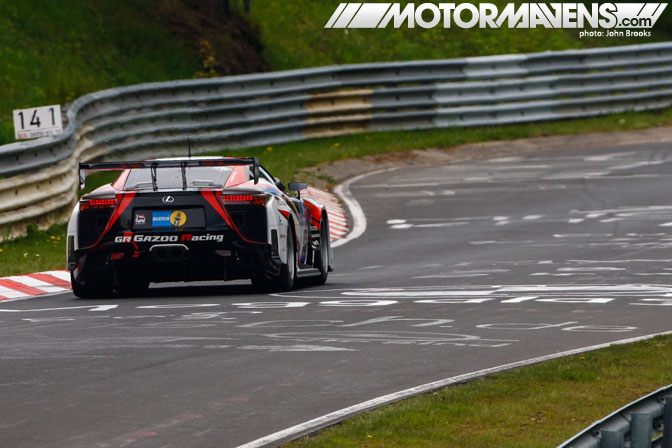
<point>38,122</point>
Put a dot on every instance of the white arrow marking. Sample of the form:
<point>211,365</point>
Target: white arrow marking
<point>93,308</point>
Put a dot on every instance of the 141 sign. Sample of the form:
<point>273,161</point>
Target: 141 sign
<point>38,122</point>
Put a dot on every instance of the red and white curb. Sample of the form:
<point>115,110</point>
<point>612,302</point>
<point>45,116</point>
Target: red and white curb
<point>19,286</point>
<point>338,223</point>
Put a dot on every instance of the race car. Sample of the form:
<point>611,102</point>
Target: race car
<point>194,219</point>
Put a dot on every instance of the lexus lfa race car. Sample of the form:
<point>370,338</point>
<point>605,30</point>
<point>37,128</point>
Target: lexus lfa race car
<point>194,219</point>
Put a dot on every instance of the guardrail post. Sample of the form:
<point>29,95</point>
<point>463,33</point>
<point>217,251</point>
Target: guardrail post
<point>667,423</point>
<point>611,439</point>
<point>641,428</point>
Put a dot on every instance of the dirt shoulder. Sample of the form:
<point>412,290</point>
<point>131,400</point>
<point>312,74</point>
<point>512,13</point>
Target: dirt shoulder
<point>344,169</point>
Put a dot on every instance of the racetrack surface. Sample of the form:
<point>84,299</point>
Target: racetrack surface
<point>462,267</point>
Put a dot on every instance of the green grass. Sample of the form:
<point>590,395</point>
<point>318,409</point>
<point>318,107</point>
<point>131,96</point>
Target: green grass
<point>55,52</point>
<point>537,406</point>
<point>287,162</point>
<point>39,251</point>
<point>294,36</point>
<point>51,53</point>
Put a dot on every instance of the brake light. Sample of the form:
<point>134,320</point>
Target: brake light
<point>254,199</point>
<point>97,203</point>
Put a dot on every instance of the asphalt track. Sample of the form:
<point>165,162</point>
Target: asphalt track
<point>461,268</point>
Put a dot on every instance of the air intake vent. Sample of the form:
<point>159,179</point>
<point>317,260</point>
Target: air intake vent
<point>92,223</point>
<point>250,220</point>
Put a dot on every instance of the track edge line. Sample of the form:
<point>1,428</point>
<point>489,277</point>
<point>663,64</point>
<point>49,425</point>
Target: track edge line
<point>314,425</point>
<point>355,210</point>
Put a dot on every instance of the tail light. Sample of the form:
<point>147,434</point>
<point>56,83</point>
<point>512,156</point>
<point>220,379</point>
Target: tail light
<point>253,199</point>
<point>86,204</point>
<point>248,214</point>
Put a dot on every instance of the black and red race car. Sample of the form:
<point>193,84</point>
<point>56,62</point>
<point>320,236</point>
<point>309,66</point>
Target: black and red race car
<point>194,219</point>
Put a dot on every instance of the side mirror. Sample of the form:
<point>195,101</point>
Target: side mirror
<point>298,186</point>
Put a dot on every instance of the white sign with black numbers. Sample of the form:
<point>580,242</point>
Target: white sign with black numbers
<point>38,122</point>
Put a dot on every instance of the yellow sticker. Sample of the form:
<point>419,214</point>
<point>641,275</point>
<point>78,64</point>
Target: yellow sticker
<point>178,218</point>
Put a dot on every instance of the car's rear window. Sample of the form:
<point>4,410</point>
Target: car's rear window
<point>171,178</point>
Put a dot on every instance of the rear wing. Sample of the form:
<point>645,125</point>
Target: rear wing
<point>153,165</point>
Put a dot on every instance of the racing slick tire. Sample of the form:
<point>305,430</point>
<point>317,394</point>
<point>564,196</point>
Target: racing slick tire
<point>285,281</point>
<point>89,291</point>
<point>322,255</point>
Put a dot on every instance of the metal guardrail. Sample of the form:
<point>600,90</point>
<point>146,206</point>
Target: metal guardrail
<point>155,119</point>
<point>645,423</point>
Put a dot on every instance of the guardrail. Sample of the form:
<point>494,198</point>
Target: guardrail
<point>156,119</point>
<point>644,423</point>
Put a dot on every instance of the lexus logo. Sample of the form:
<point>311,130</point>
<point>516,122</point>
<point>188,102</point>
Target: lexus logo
<point>168,199</point>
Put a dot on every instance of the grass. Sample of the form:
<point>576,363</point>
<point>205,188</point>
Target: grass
<point>39,251</point>
<point>537,406</point>
<point>53,53</point>
<point>293,35</point>
<point>286,162</point>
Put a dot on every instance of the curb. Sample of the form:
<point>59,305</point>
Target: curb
<point>30,285</point>
<point>338,222</point>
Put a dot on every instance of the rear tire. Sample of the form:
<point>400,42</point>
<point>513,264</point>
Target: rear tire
<point>86,291</point>
<point>322,256</point>
<point>287,277</point>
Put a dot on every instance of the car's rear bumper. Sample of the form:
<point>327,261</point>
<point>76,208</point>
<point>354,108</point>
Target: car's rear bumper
<point>174,261</point>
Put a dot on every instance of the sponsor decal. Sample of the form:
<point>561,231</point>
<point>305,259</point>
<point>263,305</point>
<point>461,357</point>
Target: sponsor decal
<point>178,218</point>
<point>512,15</point>
<point>130,238</point>
<point>161,219</point>
<point>140,238</point>
<point>140,218</point>
<point>206,237</point>
<point>155,238</point>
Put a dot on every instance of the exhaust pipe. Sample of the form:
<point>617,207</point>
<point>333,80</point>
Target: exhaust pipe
<point>168,253</point>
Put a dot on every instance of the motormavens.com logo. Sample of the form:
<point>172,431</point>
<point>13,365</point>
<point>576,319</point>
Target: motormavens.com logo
<point>488,15</point>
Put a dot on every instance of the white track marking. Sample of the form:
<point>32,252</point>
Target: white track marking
<point>296,348</point>
<point>329,419</point>
<point>358,216</point>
